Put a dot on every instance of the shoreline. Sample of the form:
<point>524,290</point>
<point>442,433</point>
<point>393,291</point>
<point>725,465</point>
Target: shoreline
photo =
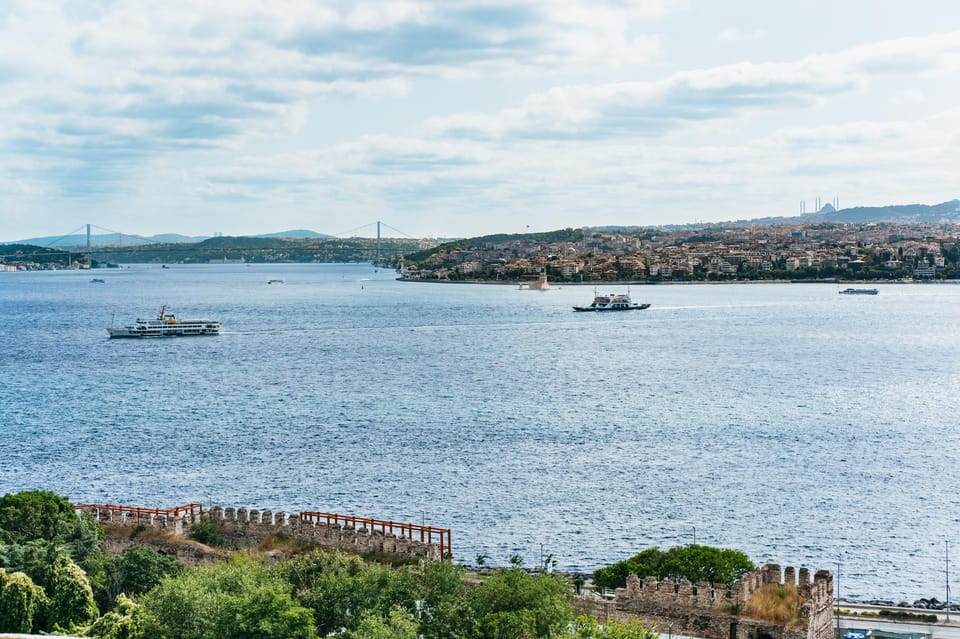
<point>679,283</point>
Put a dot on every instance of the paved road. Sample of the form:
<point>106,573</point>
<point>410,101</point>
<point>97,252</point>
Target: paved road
<point>941,630</point>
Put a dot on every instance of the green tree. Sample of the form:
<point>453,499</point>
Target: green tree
<point>30,515</point>
<point>399,624</point>
<point>44,516</point>
<point>695,563</point>
<point>21,602</point>
<point>135,572</point>
<point>206,532</point>
<point>125,621</point>
<point>71,598</point>
<point>339,588</point>
<point>512,603</point>
<point>443,610</point>
<point>239,599</point>
<point>35,558</point>
<point>587,627</point>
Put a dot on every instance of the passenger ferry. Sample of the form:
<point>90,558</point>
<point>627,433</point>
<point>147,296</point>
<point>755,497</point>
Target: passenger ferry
<point>612,302</point>
<point>166,325</point>
<point>859,291</point>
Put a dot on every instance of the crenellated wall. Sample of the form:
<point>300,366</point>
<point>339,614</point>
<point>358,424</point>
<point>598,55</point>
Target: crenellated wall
<point>244,529</point>
<point>714,612</point>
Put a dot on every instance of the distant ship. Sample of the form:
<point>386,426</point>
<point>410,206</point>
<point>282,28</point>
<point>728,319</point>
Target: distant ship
<point>166,325</point>
<point>612,302</point>
<point>275,282</point>
<point>859,291</point>
<point>539,283</point>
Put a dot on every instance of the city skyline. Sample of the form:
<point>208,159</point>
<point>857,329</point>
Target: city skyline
<point>467,118</point>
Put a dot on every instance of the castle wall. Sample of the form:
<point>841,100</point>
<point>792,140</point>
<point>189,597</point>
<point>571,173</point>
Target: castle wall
<point>714,612</point>
<point>245,529</point>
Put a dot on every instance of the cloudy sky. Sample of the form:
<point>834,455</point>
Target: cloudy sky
<point>466,117</point>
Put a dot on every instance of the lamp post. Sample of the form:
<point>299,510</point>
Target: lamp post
<point>838,597</point>
<point>694,535</point>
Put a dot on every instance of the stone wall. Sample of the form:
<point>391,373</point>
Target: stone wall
<point>244,529</point>
<point>713,612</point>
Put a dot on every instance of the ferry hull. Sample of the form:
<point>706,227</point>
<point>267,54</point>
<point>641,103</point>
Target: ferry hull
<point>587,309</point>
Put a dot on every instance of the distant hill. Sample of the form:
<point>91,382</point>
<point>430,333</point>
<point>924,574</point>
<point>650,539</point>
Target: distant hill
<point>296,233</point>
<point>944,212</point>
<point>109,239</point>
<point>114,240</point>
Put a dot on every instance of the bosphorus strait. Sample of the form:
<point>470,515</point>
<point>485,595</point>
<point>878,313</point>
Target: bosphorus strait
<point>798,425</point>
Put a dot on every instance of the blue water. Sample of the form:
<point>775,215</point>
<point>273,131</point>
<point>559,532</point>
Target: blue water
<point>798,425</point>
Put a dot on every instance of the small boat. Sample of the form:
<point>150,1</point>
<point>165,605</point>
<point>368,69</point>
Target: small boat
<point>612,302</point>
<point>275,282</point>
<point>859,291</point>
<point>534,283</point>
<point>96,280</point>
<point>166,325</point>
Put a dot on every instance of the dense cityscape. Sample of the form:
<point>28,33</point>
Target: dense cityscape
<point>921,251</point>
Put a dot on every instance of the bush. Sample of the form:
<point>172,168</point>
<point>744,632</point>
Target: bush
<point>135,572</point>
<point>21,602</point>
<point>71,598</point>
<point>206,532</point>
<point>694,563</point>
<point>234,600</point>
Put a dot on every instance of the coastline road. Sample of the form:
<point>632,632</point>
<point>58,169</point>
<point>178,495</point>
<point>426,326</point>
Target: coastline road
<point>942,629</point>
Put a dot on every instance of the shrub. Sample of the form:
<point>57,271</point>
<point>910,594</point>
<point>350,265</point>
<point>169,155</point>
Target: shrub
<point>694,563</point>
<point>71,598</point>
<point>206,532</point>
<point>231,600</point>
<point>21,602</point>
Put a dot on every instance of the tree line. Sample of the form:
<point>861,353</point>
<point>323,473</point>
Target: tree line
<point>54,577</point>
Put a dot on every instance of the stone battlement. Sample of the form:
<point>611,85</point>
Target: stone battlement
<point>714,611</point>
<point>242,528</point>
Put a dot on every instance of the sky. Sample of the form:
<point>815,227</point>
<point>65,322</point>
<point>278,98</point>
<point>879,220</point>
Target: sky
<point>456,118</point>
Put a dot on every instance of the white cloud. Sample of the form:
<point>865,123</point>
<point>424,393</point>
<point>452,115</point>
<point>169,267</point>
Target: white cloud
<point>355,108</point>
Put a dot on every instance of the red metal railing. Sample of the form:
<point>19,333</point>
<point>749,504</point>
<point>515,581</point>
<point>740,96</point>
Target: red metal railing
<point>192,509</point>
<point>426,533</point>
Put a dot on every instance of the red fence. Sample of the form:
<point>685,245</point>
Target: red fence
<point>191,509</point>
<point>426,533</point>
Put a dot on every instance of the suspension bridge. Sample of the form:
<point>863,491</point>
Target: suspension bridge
<point>368,241</point>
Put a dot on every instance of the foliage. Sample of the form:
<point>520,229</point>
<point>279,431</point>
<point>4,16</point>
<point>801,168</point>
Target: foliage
<point>35,558</point>
<point>587,627</point>
<point>21,602</point>
<point>340,587</point>
<point>125,621</point>
<point>695,563</point>
<point>513,604</point>
<point>399,624</point>
<point>206,532</point>
<point>908,616</point>
<point>135,572</point>
<point>42,516</point>
<point>773,602</point>
<point>237,599</point>
<point>71,598</point>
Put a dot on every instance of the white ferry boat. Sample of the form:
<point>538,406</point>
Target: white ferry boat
<point>166,325</point>
<point>859,291</point>
<point>612,302</point>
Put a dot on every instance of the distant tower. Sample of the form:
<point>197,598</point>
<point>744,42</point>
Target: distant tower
<point>89,252</point>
